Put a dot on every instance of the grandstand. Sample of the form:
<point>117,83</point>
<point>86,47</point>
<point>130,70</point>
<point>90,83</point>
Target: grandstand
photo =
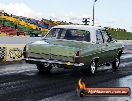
<point>18,25</point>
<point>5,30</point>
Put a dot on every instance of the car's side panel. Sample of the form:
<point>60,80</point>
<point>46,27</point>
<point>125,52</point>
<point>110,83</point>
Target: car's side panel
<point>95,51</point>
<point>106,52</point>
<point>109,52</point>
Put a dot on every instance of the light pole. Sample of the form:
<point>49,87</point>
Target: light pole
<point>93,10</point>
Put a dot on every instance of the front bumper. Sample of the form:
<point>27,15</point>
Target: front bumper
<point>37,61</point>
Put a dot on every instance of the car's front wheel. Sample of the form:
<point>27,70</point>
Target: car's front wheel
<point>116,63</point>
<point>44,68</point>
<point>91,69</point>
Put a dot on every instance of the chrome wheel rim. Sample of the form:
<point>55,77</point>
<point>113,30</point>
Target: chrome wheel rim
<point>93,67</point>
<point>117,62</point>
<point>46,64</point>
<point>54,66</point>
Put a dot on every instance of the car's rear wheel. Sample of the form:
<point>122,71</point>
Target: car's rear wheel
<point>91,69</point>
<point>44,68</point>
<point>116,63</point>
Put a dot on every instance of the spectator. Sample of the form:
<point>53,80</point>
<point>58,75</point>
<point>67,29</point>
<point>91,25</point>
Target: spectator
<point>18,33</point>
<point>15,26</point>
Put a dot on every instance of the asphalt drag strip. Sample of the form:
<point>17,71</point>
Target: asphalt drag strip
<point>71,96</point>
<point>22,82</point>
<point>126,59</point>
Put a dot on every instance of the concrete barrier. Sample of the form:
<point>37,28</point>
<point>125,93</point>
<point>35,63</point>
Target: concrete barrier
<point>11,52</point>
<point>18,39</point>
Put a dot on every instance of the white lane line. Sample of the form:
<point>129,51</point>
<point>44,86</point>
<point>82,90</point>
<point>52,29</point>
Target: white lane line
<point>14,83</point>
<point>126,56</point>
<point>126,64</point>
<point>17,72</point>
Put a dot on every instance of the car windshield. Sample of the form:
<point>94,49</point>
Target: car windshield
<point>69,34</point>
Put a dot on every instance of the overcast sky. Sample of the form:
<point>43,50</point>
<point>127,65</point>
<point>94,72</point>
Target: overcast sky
<point>114,13</point>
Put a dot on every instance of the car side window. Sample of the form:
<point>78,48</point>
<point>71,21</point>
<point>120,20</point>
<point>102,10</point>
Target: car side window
<point>105,36</point>
<point>57,33</point>
<point>87,36</point>
<point>52,33</point>
<point>99,37</point>
<point>61,34</point>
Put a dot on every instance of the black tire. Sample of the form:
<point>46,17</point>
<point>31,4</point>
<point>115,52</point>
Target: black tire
<point>91,69</point>
<point>44,69</point>
<point>116,63</point>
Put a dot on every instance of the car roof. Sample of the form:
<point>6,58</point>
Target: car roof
<point>80,27</point>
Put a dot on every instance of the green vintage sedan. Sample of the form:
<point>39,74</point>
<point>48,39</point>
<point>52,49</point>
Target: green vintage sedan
<point>74,47</point>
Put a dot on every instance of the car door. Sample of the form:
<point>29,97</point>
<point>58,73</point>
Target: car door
<point>109,46</point>
<point>100,47</point>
